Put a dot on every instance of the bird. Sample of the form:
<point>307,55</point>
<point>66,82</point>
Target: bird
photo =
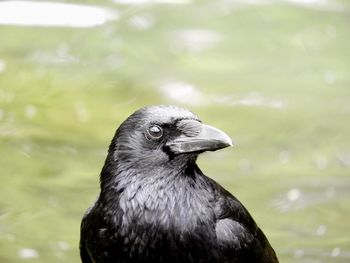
<point>156,205</point>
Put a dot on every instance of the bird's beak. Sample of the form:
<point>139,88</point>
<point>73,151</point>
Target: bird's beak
<point>208,138</point>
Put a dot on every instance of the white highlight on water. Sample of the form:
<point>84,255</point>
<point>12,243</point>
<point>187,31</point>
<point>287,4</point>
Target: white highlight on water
<point>284,157</point>
<point>28,253</point>
<point>327,5</point>
<point>335,252</point>
<point>322,5</point>
<point>182,92</point>
<point>142,22</point>
<point>299,253</point>
<point>251,99</point>
<point>293,194</point>
<point>145,2</point>
<point>81,111</point>
<point>321,230</point>
<point>51,14</point>
<point>30,111</point>
<point>2,65</point>
<point>194,39</point>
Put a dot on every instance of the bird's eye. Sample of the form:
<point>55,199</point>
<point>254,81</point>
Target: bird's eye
<point>154,132</point>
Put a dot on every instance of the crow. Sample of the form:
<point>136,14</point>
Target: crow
<point>155,204</point>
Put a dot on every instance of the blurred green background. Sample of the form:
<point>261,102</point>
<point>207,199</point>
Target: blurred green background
<point>275,75</point>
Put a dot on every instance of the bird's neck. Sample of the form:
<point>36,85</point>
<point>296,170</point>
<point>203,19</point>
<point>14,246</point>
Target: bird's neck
<point>158,197</point>
<point>117,175</point>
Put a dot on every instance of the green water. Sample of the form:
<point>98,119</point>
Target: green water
<point>275,77</point>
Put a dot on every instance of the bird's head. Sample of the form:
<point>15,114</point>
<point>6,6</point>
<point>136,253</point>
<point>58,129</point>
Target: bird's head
<point>163,136</point>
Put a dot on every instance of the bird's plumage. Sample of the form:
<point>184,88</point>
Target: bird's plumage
<point>156,205</point>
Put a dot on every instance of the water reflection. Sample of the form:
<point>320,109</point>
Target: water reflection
<point>35,13</point>
<point>319,255</point>
<point>315,194</point>
<point>251,99</point>
<point>328,5</point>
<point>61,55</point>
<point>2,65</point>
<point>194,40</point>
<point>324,5</point>
<point>181,92</point>
<point>28,253</point>
<point>144,2</point>
<point>142,22</point>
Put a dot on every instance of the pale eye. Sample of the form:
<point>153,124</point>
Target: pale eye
<point>154,132</point>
